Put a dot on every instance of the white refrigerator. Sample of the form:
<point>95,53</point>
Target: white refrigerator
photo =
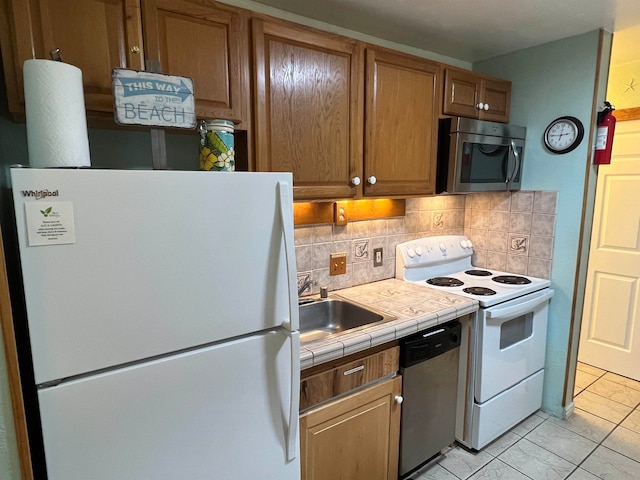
<point>162,314</point>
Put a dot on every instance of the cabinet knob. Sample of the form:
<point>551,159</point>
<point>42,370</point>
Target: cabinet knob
<point>480,106</point>
<point>399,399</point>
<point>486,106</point>
<point>135,49</point>
<point>355,181</point>
<point>372,180</point>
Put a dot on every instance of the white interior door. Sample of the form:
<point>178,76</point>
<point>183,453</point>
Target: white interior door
<point>610,334</point>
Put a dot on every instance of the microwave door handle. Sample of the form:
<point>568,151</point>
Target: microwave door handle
<point>516,164</point>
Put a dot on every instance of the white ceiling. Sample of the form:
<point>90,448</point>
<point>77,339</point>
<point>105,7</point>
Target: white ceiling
<point>474,30</point>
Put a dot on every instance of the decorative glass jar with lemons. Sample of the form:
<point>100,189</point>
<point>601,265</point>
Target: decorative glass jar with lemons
<point>216,146</point>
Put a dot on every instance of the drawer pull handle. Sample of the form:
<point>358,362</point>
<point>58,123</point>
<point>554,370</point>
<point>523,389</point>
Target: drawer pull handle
<point>353,370</point>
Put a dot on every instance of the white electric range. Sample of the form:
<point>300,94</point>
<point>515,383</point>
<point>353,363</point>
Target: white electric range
<point>507,341</point>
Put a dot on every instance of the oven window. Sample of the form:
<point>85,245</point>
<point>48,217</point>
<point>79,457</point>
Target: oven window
<point>484,163</point>
<point>516,330</point>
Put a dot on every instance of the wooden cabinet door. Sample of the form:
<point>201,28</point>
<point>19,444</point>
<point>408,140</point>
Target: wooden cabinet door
<point>93,35</point>
<point>355,437</point>
<point>464,91</point>
<point>401,121</point>
<point>206,42</point>
<point>308,108</point>
<point>461,90</point>
<point>496,94</point>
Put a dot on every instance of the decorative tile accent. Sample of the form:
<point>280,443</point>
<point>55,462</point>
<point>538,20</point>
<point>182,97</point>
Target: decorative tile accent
<point>438,221</point>
<point>518,244</point>
<point>361,250</point>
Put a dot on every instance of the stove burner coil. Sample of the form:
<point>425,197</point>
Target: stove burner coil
<point>511,280</point>
<point>483,291</point>
<point>445,282</point>
<point>479,273</point>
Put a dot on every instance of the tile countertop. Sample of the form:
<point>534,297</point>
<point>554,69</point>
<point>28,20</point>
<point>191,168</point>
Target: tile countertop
<point>415,307</point>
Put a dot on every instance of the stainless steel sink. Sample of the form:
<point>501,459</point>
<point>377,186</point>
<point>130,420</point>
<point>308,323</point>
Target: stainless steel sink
<point>324,317</point>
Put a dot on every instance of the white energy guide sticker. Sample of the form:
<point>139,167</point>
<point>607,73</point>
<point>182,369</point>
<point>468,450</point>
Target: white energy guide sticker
<point>50,223</point>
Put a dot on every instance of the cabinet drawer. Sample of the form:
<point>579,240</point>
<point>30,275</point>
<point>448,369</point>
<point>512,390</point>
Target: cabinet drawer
<point>349,376</point>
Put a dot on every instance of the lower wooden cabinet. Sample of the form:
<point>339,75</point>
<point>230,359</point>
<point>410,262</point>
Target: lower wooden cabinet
<point>354,437</point>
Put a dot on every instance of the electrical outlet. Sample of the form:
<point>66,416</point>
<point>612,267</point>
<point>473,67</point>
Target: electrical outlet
<point>377,257</point>
<point>337,263</point>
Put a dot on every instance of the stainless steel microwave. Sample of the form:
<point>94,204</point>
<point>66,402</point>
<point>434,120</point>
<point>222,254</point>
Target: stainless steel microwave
<point>478,156</point>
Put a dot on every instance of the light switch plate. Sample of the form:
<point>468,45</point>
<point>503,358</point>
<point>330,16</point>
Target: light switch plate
<point>377,257</point>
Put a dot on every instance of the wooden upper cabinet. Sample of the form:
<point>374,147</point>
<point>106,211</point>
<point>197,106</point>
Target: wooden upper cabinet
<point>93,35</point>
<point>204,41</point>
<point>401,116</point>
<point>308,108</point>
<point>468,94</point>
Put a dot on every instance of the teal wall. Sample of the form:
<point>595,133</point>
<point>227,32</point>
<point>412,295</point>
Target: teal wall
<point>550,81</point>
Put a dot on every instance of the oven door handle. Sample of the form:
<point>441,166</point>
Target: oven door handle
<point>521,308</point>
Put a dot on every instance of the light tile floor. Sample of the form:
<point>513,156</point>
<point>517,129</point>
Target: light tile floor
<point>601,440</point>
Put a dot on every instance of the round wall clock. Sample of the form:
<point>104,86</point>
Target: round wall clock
<point>563,134</point>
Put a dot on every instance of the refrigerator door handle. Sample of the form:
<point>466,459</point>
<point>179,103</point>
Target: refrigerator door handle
<point>286,214</point>
<point>294,397</point>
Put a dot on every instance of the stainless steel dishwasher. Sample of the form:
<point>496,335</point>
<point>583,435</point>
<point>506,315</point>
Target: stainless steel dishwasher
<point>429,365</point>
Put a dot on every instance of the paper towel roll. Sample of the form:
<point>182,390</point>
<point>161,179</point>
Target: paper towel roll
<point>56,117</point>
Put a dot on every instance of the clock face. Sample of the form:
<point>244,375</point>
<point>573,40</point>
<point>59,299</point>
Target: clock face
<point>563,134</point>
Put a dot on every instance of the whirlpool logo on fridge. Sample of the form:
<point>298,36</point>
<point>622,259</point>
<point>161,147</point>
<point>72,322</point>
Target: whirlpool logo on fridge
<point>39,194</point>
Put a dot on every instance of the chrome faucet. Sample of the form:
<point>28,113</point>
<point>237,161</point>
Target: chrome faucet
<point>304,286</point>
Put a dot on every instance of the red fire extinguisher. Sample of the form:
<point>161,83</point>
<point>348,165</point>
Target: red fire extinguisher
<point>604,135</point>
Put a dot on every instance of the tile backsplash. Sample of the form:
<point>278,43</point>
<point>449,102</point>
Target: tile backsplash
<point>510,231</point>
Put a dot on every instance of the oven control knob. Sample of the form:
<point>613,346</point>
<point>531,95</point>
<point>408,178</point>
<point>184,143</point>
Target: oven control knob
<point>469,244</point>
<point>418,251</point>
<point>463,244</point>
<point>411,252</point>
<point>443,247</point>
